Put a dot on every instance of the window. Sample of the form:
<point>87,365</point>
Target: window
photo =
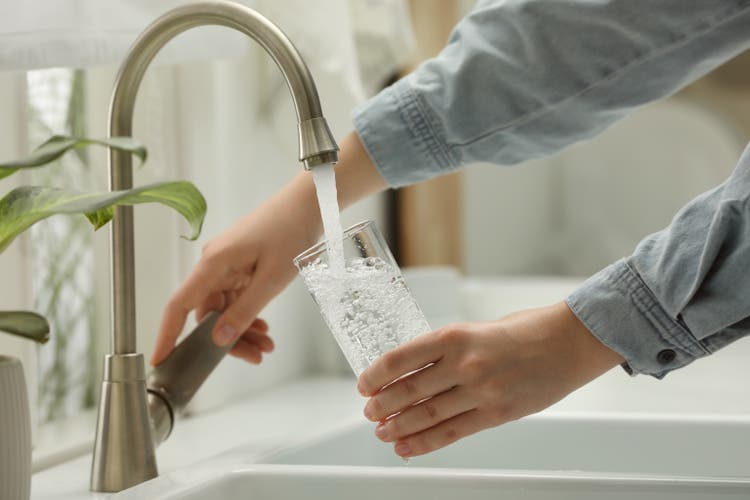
<point>61,253</point>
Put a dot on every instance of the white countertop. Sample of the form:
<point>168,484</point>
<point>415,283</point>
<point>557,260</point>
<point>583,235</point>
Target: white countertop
<point>241,433</point>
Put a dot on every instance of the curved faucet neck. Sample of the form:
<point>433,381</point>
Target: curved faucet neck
<point>231,15</point>
<point>317,144</point>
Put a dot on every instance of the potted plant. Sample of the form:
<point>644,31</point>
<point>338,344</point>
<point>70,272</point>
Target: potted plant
<point>21,208</point>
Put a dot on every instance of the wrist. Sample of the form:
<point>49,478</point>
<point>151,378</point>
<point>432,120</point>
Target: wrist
<point>590,356</point>
<point>299,201</point>
<point>356,178</point>
<point>292,211</point>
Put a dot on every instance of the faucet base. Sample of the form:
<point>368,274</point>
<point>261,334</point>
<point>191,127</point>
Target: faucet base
<point>124,449</point>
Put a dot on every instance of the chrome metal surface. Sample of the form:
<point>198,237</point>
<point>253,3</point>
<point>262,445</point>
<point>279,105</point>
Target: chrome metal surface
<point>179,376</point>
<point>123,418</point>
<point>124,449</point>
<point>162,417</point>
<point>316,144</point>
<point>173,383</point>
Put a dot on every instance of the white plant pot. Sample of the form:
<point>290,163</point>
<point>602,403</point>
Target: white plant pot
<point>15,432</point>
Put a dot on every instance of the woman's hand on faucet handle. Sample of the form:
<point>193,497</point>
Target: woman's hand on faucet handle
<point>448,384</point>
<point>241,270</point>
<point>247,265</point>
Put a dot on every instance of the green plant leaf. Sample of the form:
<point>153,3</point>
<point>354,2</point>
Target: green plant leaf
<point>25,324</point>
<point>58,145</point>
<point>26,205</point>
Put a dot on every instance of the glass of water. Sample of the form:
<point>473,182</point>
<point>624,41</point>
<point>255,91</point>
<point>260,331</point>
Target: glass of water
<point>368,307</point>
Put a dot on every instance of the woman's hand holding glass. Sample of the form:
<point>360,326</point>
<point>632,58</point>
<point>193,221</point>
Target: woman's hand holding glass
<point>448,384</point>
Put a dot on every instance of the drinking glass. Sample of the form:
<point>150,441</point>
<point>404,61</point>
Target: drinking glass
<point>368,308</point>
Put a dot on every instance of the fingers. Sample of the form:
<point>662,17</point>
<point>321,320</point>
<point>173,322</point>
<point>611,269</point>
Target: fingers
<point>406,358</point>
<point>240,314</point>
<point>441,435</point>
<point>190,294</point>
<point>408,391</point>
<point>259,325</point>
<point>248,351</point>
<point>424,415</point>
<point>258,336</point>
<point>253,343</point>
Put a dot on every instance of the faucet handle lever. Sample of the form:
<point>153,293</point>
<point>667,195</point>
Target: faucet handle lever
<point>177,378</point>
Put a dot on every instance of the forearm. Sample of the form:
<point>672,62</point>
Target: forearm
<point>356,179</point>
<point>525,78</point>
<point>356,175</point>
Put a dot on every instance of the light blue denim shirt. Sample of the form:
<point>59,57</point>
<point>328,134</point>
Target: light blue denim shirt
<point>524,78</point>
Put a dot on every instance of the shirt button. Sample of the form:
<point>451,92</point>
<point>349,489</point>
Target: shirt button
<point>666,356</point>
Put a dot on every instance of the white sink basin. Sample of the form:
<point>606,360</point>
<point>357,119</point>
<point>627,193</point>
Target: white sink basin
<point>373,483</point>
<point>548,456</point>
<point>648,445</point>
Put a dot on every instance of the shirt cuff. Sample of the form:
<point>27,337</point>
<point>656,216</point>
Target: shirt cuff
<point>621,311</point>
<point>401,137</point>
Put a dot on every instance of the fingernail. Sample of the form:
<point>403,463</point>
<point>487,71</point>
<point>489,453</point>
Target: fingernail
<point>402,449</point>
<point>268,344</point>
<point>381,432</point>
<point>225,335</point>
<point>156,360</point>
<point>263,343</point>
<point>368,412</point>
<point>361,389</point>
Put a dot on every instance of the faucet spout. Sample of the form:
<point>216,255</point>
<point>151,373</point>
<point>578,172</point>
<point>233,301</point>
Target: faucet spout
<point>124,449</point>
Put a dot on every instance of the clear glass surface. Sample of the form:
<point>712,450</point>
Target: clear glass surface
<point>369,309</point>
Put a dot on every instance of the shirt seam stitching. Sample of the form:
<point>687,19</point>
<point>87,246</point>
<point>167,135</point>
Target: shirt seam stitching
<point>654,313</point>
<point>419,121</point>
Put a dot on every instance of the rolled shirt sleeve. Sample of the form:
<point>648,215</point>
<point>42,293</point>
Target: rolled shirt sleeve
<point>622,312</point>
<point>685,291</point>
<point>521,79</point>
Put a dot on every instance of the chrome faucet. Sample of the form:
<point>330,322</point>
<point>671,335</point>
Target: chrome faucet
<point>131,420</point>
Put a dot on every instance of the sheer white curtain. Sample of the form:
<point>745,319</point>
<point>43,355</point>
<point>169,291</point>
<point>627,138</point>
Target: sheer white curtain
<point>42,33</point>
<point>38,34</point>
<point>82,33</point>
